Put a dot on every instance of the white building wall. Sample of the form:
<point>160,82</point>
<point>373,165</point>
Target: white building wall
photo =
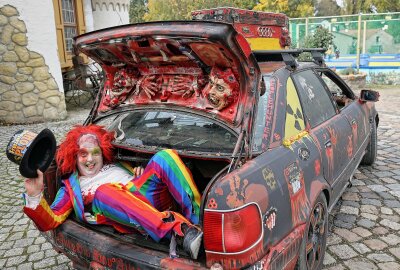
<point>41,32</point>
<point>108,13</point>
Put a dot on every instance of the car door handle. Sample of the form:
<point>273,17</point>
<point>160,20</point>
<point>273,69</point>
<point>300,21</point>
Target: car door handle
<point>328,144</point>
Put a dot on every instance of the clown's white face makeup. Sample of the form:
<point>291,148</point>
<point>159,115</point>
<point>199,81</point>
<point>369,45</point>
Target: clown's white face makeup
<point>90,157</point>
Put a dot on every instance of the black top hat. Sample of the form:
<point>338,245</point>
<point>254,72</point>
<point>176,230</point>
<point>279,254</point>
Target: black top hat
<point>32,151</point>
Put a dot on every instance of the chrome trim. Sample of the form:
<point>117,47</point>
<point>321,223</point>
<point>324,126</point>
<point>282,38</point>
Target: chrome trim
<point>232,210</point>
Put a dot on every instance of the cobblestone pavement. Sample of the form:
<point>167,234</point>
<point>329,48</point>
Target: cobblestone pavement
<point>364,226</point>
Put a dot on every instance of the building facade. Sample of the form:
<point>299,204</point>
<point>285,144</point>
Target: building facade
<point>35,48</point>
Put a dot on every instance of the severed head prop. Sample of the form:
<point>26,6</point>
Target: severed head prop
<point>222,88</point>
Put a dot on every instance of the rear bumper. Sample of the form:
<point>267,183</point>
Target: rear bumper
<point>87,248</point>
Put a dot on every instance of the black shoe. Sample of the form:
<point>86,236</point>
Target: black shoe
<point>192,241</point>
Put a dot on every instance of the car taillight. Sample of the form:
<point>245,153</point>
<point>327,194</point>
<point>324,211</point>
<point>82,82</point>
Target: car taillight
<point>232,231</point>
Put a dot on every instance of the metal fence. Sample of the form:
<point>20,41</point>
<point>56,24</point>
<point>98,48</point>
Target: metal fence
<point>371,33</point>
<point>367,42</point>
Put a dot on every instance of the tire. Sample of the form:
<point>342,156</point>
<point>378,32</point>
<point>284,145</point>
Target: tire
<point>372,147</point>
<point>314,238</point>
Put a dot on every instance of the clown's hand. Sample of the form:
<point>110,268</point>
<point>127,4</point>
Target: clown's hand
<point>138,171</point>
<point>34,186</point>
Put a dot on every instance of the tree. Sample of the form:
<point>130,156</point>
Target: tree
<point>292,8</point>
<point>181,9</point>
<point>326,8</point>
<point>137,9</point>
<point>321,38</point>
<point>370,6</point>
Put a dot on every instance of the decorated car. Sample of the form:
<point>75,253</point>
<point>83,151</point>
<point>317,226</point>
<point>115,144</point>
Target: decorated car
<point>271,143</point>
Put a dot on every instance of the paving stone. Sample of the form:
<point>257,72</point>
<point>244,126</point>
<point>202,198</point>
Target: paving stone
<point>394,187</point>
<point>378,188</point>
<point>380,230</point>
<point>386,196</point>
<point>15,260</point>
<point>351,203</point>
<point>391,239</point>
<point>13,252</point>
<point>33,249</point>
<point>343,251</point>
<point>62,259</point>
<point>36,256</point>
<point>45,263</point>
<point>334,239</point>
<point>16,236</point>
<point>375,244</point>
<point>392,203</point>
<point>361,232</point>
<point>23,242</point>
<point>383,174</point>
<point>395,252</point>
<point>328,259</point>
<point>349,210</point>
<point>380,257</point>
<point>350,197</point>
<point>371,201</point>
<point>369,209</point>
<point>360,264</point>
<point>342,224</point>
<point>336,267</point>
<point>369,216</point>
<point>389,266</point>
<point>348,235</point>
<point>386,211</point>
<point>360,248</point>
<point>25,266</point>
<point>366,223</point>
<point>394,218</point>
<point>390,224</point>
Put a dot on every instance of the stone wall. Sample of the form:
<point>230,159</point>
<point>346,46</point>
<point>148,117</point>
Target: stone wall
<point>28,91</point>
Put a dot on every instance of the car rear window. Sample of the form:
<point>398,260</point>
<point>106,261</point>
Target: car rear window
<point>171,129</point>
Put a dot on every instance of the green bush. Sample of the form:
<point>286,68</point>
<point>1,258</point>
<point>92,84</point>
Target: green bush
<point>321,38</point>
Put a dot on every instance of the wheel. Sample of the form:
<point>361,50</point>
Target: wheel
<point>372,147</point>
<point>313,245</point>
<point>79,93</point>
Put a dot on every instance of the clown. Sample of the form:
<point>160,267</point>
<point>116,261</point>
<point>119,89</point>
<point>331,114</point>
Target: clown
<point>117,194</point>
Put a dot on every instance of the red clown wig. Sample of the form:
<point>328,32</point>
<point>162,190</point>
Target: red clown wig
<point>67,152</point>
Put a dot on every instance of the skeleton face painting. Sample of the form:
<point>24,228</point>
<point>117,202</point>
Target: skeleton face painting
<point>222,88</point>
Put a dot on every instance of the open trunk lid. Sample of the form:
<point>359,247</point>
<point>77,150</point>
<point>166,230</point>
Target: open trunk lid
<point>201,67</point>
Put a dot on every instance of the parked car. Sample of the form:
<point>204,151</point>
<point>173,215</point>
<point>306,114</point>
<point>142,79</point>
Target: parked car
<point>271,142</point>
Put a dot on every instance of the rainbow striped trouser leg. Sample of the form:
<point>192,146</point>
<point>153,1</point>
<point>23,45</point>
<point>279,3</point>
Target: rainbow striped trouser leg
<point>141,202</point>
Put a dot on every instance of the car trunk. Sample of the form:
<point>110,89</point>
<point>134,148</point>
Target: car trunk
<point>205,171</point>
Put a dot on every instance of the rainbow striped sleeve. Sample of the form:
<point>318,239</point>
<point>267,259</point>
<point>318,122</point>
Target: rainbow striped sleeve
<point>49,217</point>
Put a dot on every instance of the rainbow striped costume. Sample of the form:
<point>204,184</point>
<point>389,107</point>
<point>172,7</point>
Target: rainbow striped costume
<point>141,204</point>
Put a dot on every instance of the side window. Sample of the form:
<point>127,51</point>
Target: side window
<point>317,104</point>
<point>294,120</point>
<point>340,94</point>
<point>261,114</point>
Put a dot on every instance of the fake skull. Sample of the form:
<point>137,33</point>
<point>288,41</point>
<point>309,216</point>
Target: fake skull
<point>222,88</point>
